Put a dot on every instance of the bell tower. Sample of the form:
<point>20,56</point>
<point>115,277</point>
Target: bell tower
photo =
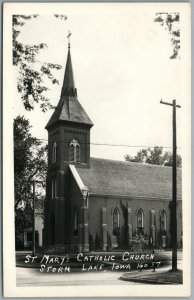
<point>68,143</point>
<point>69,126</point>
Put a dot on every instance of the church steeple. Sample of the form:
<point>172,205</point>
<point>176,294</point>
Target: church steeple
<point>69,108</point>
<point>68,88</point>
<point>69,126</point>
<point>68,146</point>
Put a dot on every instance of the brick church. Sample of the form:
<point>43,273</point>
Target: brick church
<point>94,203</point>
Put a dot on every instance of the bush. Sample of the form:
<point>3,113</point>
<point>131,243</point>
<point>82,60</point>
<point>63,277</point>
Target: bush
<point>129,241</point>
<point>139,243</point>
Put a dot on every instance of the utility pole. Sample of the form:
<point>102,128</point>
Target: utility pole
<point>174,187</point>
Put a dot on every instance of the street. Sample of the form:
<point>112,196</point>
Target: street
<point>33,277</point>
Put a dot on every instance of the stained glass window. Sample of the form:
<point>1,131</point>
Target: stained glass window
<point>140,218</point>
<point>116,220</point>
<point>163,220</point>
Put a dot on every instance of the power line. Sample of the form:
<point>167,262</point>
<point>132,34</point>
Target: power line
<point>111,145</point>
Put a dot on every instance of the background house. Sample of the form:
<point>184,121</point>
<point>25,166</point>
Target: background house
<point>24,239</point>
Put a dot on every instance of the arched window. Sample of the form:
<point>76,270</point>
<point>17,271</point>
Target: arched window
<point>55,186</point>
<point>163,220</point>
<point>140,218</point>
<point>74,151</point>
<point>54,153</point>
<point>116,221</point>
<point>71,152</point>
<point>52,188</point>
<point>77,153</point>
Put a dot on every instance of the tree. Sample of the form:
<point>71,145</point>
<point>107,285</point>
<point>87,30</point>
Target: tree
<point>170,21</point>
<point>32,74</point>
<point>30,163</point>
<point>154,156</point>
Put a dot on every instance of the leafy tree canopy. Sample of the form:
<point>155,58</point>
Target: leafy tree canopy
<point>170,21</point>
<point>30,163</point>
<point>154,156</point>
<point>32,72</point>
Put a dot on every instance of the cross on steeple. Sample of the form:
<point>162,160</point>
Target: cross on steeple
<point>69,34</point>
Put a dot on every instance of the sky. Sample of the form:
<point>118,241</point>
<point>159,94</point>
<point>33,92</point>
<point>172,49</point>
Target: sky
<point>122,69</point>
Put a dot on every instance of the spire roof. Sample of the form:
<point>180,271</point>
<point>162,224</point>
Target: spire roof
<point>69,108</point>
<point>68,88</point>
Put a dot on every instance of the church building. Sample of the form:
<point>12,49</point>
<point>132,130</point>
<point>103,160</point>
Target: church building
<point>101,204</point>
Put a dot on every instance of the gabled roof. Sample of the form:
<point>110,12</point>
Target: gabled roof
<point>69,109</point>
<point>109,177</point>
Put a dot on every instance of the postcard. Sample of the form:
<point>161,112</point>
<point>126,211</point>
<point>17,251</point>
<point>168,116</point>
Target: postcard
<point>97,149</point>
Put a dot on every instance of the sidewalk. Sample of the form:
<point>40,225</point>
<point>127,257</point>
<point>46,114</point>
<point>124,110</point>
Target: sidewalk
<point>160,276</point>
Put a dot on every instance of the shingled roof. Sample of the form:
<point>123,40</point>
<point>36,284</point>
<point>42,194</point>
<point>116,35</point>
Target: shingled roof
<point>69,109</point>
<point>110,177</point>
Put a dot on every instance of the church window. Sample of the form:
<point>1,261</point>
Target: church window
<point>74,151</point>
<point>52,188</point>
<point>71,152</point>
<point>116,221</point>
<point>163,220</point>
<point>55,186</point>
<point>140,218</point>
<point>77,153</point>
<point>54,153</point>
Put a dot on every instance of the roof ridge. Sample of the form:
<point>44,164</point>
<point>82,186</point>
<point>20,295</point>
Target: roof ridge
<point>134,163</point>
